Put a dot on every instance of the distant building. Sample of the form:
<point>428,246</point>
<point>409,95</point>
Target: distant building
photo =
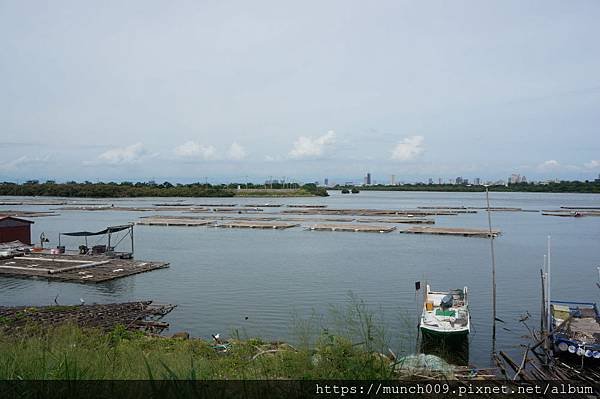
<point>465,181</point>
<point>430,180</point>
<point>523,179</point>
<point>440,181</point>
<point>598,179</point>
<point>393,180</point>
<point>514,179</point>
<point>368,179</point>
<point>326,182</point>
<point>477,181</point>
<point>459,180</point>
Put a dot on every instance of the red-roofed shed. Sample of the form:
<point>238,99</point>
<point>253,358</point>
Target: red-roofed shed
<point>15,229</point>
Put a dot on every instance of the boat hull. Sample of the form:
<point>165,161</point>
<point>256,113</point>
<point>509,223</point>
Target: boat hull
<point>443,333</point>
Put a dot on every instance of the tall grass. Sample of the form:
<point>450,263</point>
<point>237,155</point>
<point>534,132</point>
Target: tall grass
<point>69,352</point>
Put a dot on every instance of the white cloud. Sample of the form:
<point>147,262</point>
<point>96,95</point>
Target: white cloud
<point>122,155</point>
<point>192,149</point>
<point>593,164</point>
<point>236,152</point>
<point>408,149</point>
<point>307,147</point>
<point>22,162</point>
<point>551,164</point>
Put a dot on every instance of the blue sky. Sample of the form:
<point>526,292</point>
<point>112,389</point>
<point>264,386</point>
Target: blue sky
<point>182,90</point>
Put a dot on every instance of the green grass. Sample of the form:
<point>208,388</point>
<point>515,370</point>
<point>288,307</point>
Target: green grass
<point>69,352</point>
<point>348,345</point>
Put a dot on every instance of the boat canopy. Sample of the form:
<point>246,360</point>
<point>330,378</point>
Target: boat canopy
<point>108,230</point>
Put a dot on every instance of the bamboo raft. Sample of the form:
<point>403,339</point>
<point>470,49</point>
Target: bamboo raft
<point>372,212</point>
<point>453,231</point>
<point>352,228</point>
<point>26,214</point>
<point>173,221</point>
<point>135,208</point>
<point>306,206</point>
<point>256,225</point>
<point>403,221</point>
<point>238,210</point>
<point>142,316</point>
<point>570,212</point>
<point>74,268</point>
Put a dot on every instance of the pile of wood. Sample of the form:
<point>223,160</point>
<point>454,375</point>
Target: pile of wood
<point>142,316</point>
<point>539,363</point>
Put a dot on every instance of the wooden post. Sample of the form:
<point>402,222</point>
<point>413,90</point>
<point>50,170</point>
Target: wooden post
<point>131,233</point>
<point>491,235</point>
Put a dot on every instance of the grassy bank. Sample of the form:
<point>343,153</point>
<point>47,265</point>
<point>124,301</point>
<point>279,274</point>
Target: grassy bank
<point>69,352</point>
<point>349,344</point>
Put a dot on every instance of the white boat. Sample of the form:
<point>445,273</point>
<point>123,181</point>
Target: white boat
<point>445,313</point>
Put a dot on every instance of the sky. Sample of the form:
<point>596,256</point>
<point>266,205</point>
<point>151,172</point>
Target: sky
<point>249,90</point>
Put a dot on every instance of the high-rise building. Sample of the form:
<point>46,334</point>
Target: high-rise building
<point>368,179</point>
<point>326,182</point>
<point>477,181</point>
<point>459,180</point>
<point>440,181</point>
<point>430,180</point>
<point>514,178</point>
<point>393,180</point>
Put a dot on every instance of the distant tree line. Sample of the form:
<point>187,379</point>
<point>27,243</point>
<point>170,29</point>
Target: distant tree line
<point>551,187</point>
<point>140,189</point>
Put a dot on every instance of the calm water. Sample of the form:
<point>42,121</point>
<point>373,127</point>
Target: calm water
<point>220,277</point>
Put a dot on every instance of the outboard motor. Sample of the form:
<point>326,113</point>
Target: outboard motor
<point>446,302</point>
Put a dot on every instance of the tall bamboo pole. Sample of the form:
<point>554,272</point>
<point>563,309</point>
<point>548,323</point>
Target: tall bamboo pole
<point>491,235</point>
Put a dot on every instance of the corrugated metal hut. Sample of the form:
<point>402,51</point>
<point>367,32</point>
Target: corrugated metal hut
<point>15,229</point>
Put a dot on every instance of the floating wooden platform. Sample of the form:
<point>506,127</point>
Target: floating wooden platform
<point>131,315</point>
<point>264,205</point>
<point>256,225</point>
<point>597,208</point>
<point>296,219</point>
<point>135,208</point>
<point>238,210</point>
<point>502,209</point>
<point>306,206</point>
<point>26,214</point>
<point>570,213</point>
<point>363,228</point>
<point>172,222</point>
<point>371,212</point>
<point>74,268</point>
<point>398,220</point>
<point>453,231</point>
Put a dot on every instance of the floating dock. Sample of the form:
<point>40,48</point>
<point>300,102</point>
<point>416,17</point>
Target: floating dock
<point>306,206</point>
<point>135,208</point>
<point>451,231</point>
<point>74,268</point>
<point>26,214</point>
<point>372,212</point>
<point>362,228</point>
<point>173,221</point>
<point>393,220</point>
<point>570,213</point>
<point>238,210</point>
<point>256,225</point>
